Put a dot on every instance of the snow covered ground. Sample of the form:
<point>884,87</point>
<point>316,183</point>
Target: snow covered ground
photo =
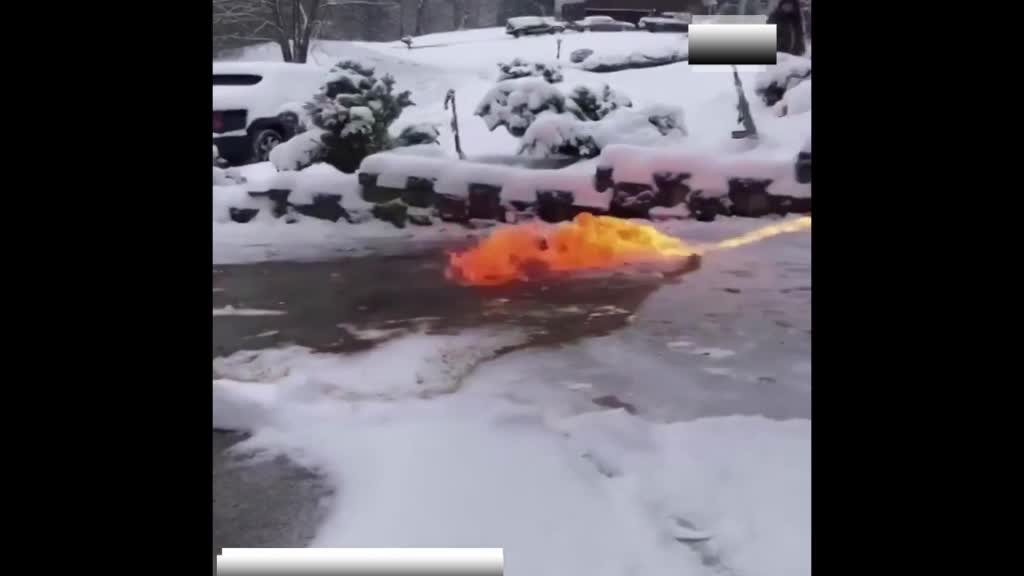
<point>431,440</point>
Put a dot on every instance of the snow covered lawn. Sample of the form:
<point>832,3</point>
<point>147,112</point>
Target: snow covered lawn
<point>597,493</point>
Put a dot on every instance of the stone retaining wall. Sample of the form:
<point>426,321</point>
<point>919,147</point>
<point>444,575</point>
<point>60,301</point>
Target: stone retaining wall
<point>417,202</point>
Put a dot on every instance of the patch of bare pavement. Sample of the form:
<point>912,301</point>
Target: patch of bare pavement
<point>331,306</point>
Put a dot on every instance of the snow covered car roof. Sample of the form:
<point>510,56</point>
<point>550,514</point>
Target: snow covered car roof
<point>530,21</point>
<point>262,88</point>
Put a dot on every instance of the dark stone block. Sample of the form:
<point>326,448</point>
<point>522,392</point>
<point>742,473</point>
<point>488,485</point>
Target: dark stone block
<point>367,179</point>
<point>393,212</point>
<point>749,197</point>
<point>278,200</point>
<point>555,205</point>
<point>706,209</point>
<point>418,192</point>
<point>603,178</point>
<point>452,208</point>
<point>371,192</point>
<point>803,168</point>
<point>632,200</point>
<point>789,205</point>
<point>243,215</point>
<point>485,202</point>
<point>324,207</point>
<point>672,188</point>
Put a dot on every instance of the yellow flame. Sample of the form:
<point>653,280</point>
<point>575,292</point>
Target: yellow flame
<point>802,223</point>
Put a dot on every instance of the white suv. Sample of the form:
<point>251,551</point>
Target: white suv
<point>248,101</point>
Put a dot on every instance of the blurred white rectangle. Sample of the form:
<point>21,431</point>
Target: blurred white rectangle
<point>361,562</point>
<point>716,41</point>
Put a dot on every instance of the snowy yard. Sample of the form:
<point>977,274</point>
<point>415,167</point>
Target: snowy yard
<point>675,439</point>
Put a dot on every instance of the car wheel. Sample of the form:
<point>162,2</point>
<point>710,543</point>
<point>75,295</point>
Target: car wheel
<point>263,141</point>
<point>515,34</point>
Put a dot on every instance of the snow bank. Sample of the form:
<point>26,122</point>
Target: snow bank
<point>453,177</point>
<point>788,71</point>
<point>299,151</point>
<point>227,197</point>
<point>710,173</point>
<point>797,100</point>
<point>614,493</point>
<point>418,365</point>
<point>318,178</point>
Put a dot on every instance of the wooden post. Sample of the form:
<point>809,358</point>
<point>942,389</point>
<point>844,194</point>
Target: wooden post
<point>450,97</point>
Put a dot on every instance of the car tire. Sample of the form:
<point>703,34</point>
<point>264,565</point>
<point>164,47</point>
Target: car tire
<point>263,141</point>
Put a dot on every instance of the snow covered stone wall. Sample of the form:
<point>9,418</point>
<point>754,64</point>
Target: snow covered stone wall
<point>643,178</point>
<point>420,185</point>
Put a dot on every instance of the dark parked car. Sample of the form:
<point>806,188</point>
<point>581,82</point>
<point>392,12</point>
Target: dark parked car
<point>664,24</point>
<point>532,25</point>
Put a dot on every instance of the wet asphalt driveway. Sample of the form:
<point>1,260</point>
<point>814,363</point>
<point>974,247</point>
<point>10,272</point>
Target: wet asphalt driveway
<point>620,331</point>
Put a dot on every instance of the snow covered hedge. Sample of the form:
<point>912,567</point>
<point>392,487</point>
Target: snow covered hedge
<point>354,110</point>
<point>519,68</point>
<point>578,124</point>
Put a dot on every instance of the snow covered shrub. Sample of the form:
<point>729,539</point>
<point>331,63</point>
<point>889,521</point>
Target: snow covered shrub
<point>566,135</point>
<point>580,55</point>
<point>416,134</point>
<point>515,104</point>
<point>788,71</point>
<point>354,109</point>
<point>299,152</point>
<point>519,68</point>
<point>560,135</point>
<point>595,103</point>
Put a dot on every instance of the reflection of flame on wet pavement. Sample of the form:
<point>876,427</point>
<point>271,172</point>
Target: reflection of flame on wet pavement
<point>588,242</point>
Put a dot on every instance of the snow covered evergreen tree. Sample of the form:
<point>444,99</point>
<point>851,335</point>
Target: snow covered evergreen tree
<point>354,109</point>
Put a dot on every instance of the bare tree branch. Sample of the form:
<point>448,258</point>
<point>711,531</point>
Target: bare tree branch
<point>293,24</point>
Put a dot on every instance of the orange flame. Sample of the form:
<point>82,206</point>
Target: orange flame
<point>588,242</point>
